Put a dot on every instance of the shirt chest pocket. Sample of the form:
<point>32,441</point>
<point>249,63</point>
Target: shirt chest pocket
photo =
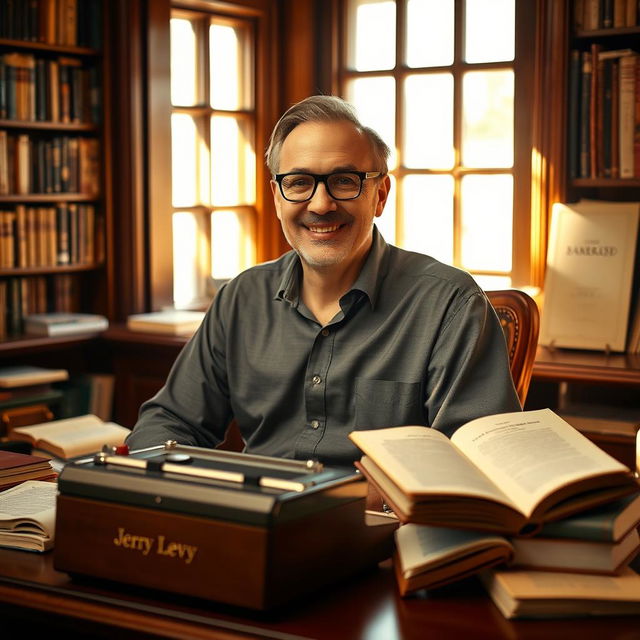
<point>388,403</point>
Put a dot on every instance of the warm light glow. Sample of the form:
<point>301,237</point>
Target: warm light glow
<point>184,160</point>
<point>372,42</point>
<point>430,33</point>
<point>487,222</point>
<point>375,102</point>
<point>186,274</point>
<point>487,129</point>
<point>227,65</point>
<point>184,86</point>
<point>428,215</point>
<point>232,249</point>
<point>489,30</point>
<point>428,114</point>
<point>233,163</point>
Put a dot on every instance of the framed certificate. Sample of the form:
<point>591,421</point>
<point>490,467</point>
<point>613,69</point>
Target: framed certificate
<point>590,265</point>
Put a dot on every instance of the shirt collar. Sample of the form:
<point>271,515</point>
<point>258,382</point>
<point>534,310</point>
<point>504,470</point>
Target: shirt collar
<point>368,281</point>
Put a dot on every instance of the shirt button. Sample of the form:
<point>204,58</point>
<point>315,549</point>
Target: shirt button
<point>315,424</point>
<point>325,332</point>
<point>316,379</point>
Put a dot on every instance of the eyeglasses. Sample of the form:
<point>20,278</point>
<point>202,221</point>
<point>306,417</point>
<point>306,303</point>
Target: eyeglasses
<point>341,185</point>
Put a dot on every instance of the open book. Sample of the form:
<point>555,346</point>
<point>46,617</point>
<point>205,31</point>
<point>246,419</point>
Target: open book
<point>505,473</point>
<point>27,516</point>
<point>71,437</point>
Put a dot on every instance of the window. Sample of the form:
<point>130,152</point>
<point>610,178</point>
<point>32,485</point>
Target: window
<point>213,147</point>
<point>444,83</point>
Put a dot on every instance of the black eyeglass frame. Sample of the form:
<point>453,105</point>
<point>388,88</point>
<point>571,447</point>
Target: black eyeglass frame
<point>324,177</point>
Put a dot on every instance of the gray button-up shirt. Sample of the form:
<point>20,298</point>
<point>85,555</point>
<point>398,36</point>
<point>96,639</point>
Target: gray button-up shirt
<point>415,342</point>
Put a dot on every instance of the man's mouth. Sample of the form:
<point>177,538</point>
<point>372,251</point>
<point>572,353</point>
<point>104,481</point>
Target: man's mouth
<point>324,229</point>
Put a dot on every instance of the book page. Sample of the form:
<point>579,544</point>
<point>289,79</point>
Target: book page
<point>29,508</point>
<point>421,460</point>
<point>530,454</point>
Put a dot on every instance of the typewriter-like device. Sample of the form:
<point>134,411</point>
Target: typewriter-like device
<point>242,529</point>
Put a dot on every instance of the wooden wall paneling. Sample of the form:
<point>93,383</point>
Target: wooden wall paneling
<point>158,89</point>
<point>128,164</point>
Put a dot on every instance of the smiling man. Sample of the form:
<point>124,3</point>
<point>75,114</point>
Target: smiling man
<point>343,332</point>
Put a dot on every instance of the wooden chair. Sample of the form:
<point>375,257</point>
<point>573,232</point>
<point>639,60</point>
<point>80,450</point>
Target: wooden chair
<point>520,320</point>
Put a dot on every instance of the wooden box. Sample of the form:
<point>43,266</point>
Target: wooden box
<point>271,551</point>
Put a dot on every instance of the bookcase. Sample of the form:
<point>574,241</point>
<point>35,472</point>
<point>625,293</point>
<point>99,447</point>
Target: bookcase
<point>53,213</point>
<point>580,140</point>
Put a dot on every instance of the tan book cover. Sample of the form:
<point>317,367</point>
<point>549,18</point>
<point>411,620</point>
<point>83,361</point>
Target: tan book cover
<point>590,265</point>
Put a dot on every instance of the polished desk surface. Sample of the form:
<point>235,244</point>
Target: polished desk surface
<point>33,595</point>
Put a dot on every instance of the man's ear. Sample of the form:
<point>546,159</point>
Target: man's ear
<point>275,191</point>
<point>384,185</point>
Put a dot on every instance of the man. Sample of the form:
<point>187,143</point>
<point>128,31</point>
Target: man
<point>344,332</point>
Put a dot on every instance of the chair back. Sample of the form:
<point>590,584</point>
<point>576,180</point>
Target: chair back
<point>520,320</point>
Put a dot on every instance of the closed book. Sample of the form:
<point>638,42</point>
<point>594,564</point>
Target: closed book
<point>59,324</point>
<point>170,322</point>
<point>608,523</point>
<point>554,594</point>
<point>21,376</point>
<point>582,556</point>
<point>19,467</point>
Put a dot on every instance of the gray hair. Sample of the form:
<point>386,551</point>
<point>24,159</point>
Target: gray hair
<point>323,109</point>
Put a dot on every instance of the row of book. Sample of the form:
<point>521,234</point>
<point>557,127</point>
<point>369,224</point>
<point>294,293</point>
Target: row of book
<point>44,164</point>
<point>521,499</point>
<point>64,234</point>
<point>604,113</point>
<point>51,90</point>
<point>61,22</point>
<point>589,15</point>
<point>24,296</point>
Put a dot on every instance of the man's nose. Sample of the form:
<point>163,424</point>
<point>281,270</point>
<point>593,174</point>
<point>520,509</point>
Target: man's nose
<point>322,202</point>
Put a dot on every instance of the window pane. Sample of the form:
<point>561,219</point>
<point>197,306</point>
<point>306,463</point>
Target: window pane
<point>487,213</point>
<point>428,121</point>
<point>184,67</point>
<point>428,216</point>
<point>487,114</point>
<point>493,283</point>
<point>371,40</point>
<point>386,223</point>
<point>430,33</point>
<point>375,101</point>
<point>188,284</point>
<point>232,246</point>
<point>489,30</point>
<point>233,163</point>
<point>189,161</point>
<point>230,74</point>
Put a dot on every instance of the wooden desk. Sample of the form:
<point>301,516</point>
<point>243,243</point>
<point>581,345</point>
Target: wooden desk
<point>35,597</point>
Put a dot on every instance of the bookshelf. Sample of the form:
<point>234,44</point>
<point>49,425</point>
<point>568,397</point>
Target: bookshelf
<point>53,211</point>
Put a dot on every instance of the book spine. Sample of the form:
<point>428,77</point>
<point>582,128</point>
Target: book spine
<point>627,115</point>
<point>573,145</point>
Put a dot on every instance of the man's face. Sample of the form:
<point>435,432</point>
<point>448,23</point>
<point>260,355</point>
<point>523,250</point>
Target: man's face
<point>326,232</point>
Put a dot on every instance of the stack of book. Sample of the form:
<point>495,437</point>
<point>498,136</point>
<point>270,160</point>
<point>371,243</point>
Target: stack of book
<point>27,391</point>
<point>524,499</point>
<point>16,468</point>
